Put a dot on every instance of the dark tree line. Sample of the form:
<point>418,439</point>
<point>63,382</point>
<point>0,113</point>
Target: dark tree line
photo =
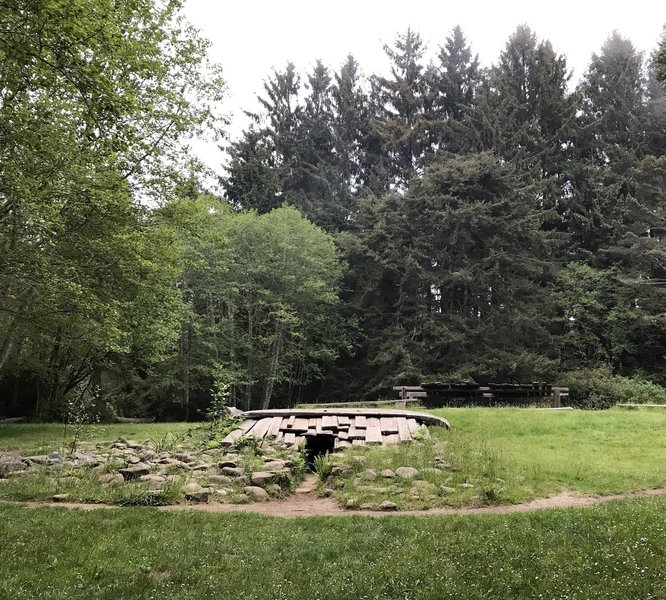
<point>498,224</point>
<point>437,221</point>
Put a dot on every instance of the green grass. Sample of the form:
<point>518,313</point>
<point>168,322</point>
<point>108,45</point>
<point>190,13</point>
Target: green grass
<point>589,451</point>
<point>514,455</point>
<point>45,438</point>
<point>613,551</point>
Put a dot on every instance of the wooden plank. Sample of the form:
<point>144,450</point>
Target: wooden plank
<point>344,421</point>
<point>289,438</point>
<point>279,437</point>
<point>373,435</point>
<point>312,431</point>
<point>392,438</point>
<point>290,422</point>
<point>356,434</point>
<point>413,425</point>
<point>349,412</point>
<point>300,424</point>
<point>329,422</point>
<point>343,435</point>
<point>403,430</point>
<point>360,422</point>
<point>372,421</point>
<point>319,429</point>
<point>260,429</point>
<point>388,425</point>
<point>312,423</point>
<point>231,438</point>
<point>274,427</point>
<point>247,425</point>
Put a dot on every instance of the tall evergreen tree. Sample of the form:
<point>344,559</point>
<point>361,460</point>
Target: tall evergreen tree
<point>401,111</point>
<point>453,87</point>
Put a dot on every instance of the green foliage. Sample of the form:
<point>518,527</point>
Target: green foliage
<point>323,466</point>
<point>599,388</point>
<point>96,101</point>
<point>80,414</point>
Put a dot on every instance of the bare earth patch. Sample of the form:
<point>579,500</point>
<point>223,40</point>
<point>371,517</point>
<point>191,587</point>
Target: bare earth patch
<point>305,502</point>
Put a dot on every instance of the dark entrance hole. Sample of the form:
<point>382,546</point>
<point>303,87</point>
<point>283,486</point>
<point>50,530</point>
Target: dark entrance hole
<point>317,445</point>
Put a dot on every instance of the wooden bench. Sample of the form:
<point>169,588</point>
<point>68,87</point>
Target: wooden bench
<point>510,393</point>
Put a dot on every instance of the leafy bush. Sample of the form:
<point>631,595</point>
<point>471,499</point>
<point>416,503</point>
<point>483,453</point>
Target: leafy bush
<point>599,388</point>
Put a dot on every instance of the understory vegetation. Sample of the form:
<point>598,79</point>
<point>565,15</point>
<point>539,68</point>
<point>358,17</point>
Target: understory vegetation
<point>609,552</point>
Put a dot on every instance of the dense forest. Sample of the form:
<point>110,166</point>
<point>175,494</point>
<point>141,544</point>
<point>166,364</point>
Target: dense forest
<point>440,221</point>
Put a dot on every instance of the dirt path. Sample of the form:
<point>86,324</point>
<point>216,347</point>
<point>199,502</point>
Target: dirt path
<point>305,503</point>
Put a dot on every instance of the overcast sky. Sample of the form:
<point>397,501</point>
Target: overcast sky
<point>250,37</point>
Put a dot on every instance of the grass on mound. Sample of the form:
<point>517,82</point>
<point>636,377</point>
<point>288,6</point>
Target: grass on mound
<point>612,551</point>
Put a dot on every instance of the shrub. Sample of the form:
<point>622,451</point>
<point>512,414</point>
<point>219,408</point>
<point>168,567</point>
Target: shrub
<point>599,388</point>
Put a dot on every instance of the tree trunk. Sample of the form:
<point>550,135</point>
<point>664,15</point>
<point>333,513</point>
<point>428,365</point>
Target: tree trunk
<point>272,373</point>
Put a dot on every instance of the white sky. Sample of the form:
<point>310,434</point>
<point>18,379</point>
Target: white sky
<point>250,37</point>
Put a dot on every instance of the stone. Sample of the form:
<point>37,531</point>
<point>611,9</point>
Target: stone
<point>351,503</point>
<point>55,456</point>
<point>153,477</point>
<point>223,464</point>
<point>184,457</point>
<point>221,493</point>
<point>341,471</point>
<point>328,492</point>
<point>200,467</point>
<point>360,459</point>
<point>387,505</point>
<point>273,489</point>
<point>60,497</point>
<point>133,445</point>
<point>466,486</point>
<point>11,467</point>
<point>133,460</point>
<point>260,478</point>
<point>112,480</point>
<point>274,465</point>
<point>200,495</point>
<point>369,475</point>
<point>444,490</point>
<point>373,489</point>
<point>232,471</point>
<point>388,474</point>
<point>407,472</point>
<point>256,493</point>
<point>82,457</point>
<point>41,459</point>
<point>219,479</point>
<point>118,445</point>
<point>134,472</point>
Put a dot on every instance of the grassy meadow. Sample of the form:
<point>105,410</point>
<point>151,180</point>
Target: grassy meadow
<point>611,551</point>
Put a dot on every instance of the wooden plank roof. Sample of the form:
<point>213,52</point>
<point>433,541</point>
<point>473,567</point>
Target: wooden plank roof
<point>349,426</point>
